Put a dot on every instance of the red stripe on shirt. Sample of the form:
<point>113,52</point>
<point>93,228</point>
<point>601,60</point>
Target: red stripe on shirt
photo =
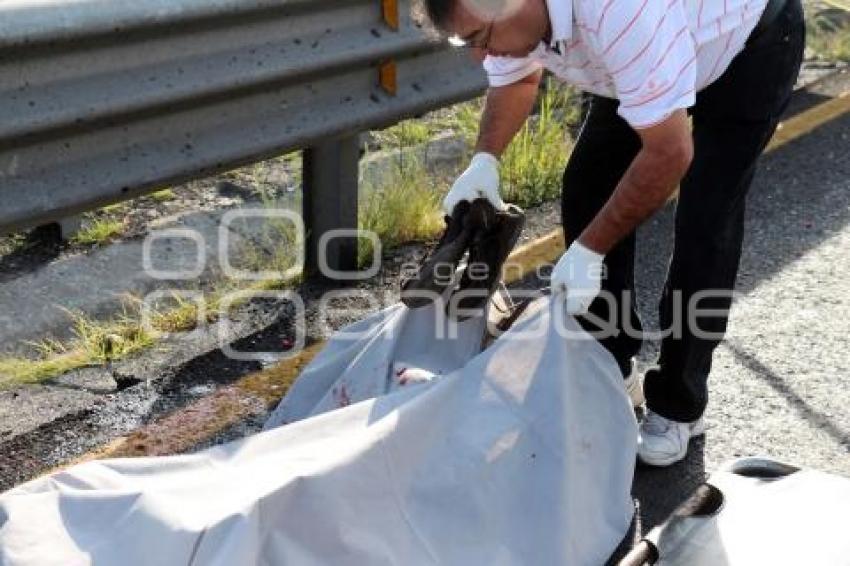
<point>661,60</point>
<point>626,29</point>
<point>720,58</point>
<point>602,17</point>
<point>648,43</point>
<point>666,90</point>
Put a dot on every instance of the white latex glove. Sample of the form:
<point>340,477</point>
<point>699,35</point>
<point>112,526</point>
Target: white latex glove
<point>577,276</point>
<point>480,180</point>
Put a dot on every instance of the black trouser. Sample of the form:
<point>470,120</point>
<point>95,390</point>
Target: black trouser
<point>733,120</point>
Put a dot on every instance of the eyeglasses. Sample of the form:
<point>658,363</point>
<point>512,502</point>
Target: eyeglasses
<point>477,40</point>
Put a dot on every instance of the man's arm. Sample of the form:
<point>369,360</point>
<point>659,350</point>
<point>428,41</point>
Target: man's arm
<point>505,110</point>
<point>650,180</point>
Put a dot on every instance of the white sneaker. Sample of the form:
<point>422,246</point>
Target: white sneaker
<point>634,386</point>
<point>662,442</point>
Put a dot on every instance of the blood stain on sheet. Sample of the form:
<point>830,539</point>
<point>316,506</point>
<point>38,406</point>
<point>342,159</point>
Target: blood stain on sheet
<point>341,396</point>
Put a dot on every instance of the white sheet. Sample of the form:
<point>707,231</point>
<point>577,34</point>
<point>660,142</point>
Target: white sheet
<point>520,455</point>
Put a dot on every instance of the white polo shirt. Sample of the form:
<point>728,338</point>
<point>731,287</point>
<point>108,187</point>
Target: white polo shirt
<point>651,55</point>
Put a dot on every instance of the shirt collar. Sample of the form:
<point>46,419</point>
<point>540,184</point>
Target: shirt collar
<point>561,20</point>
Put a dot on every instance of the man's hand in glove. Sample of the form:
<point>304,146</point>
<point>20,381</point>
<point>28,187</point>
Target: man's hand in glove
<point>480,180</point>
<point>577,276</point>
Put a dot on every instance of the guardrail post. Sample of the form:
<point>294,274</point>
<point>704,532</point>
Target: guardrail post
<point>330,202</point>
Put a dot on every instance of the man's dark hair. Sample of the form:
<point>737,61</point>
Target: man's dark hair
<point>438,12</point>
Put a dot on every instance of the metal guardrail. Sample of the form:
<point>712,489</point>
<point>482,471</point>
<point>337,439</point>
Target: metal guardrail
<point>104,100</point>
